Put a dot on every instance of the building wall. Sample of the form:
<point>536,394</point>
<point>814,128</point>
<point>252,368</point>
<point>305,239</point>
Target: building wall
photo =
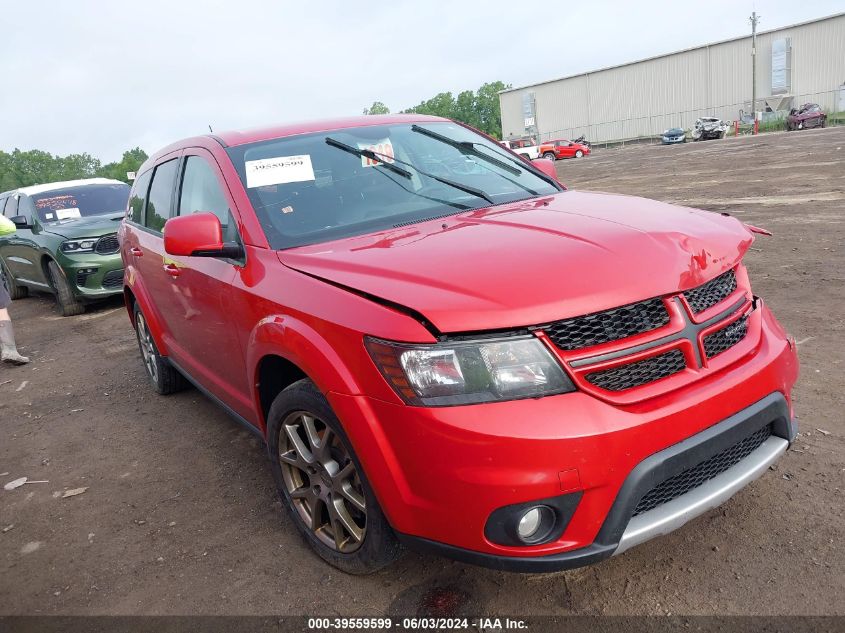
<point>646,97</point>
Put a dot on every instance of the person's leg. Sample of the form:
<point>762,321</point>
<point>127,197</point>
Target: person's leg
<point>8,349</point>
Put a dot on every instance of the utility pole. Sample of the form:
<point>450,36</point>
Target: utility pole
<point>754,17</point>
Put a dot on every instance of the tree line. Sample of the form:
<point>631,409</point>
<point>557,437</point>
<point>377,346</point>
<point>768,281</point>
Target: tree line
<point>33,167</point>
<point>480,108</point>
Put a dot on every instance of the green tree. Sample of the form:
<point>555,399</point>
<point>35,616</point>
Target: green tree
<point>479,109</point>
<point>131,161</point>
<point>33,167</point>
<point>488,109</point>
<point>377,108</point>
<point>466,109</point>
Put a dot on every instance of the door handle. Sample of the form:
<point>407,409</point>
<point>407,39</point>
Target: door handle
<point>172,270</point>
<point>137,252</point>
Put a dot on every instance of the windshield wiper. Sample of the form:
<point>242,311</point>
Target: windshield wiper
<point>470,147</point>
<point>384,158</point>
<point>368,153</point>
<point>467,147</point>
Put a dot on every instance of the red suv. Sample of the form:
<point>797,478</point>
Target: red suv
<point>445,349</point>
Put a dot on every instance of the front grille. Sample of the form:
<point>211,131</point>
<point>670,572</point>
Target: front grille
<point>639,373</point>
<point>724,339</point>
<point>696,475</point>
<point>107,245</point>
<point>610,325</point>
<point>711,293</point>
<point>113,279</point>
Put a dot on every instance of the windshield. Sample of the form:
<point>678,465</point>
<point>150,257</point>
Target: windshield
<point>84,201</point>
<point>306,190</point>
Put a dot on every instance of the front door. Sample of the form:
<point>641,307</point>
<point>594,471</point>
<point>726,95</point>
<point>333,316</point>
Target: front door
<point>199,296</point>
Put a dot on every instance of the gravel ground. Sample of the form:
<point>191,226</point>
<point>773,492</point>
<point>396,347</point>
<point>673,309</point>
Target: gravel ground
<point>180,515</point>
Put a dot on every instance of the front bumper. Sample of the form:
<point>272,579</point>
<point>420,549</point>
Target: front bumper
<point>671,140</point>
<point>439,473</point>
<point>105,281</point>
<point>619,532</point>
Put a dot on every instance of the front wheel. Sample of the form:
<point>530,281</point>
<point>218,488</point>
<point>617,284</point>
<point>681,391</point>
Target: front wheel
<point>323,485</point>
<point>579,154</point>
<point>549,156</point>
<point>67,302</point>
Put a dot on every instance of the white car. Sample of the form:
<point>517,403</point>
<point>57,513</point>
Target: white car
<point>525,147</point>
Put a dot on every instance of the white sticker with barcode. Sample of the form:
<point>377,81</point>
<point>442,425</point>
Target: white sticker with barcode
<point>278,171</point>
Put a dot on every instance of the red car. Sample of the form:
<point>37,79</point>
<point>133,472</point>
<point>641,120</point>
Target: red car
<point>562,148</point>
<point>807,116</point>
<point>445,349</point>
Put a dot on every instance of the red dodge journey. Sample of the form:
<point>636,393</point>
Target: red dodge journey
<point>445,349</point>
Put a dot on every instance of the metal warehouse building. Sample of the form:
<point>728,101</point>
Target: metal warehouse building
<point>795,65</point>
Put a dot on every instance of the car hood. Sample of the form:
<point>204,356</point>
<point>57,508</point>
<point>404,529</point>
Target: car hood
<point>93,226</point>
<point>532,262</point>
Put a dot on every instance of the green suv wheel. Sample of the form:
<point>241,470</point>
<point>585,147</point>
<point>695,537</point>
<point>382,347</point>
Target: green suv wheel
<point>68,304</point>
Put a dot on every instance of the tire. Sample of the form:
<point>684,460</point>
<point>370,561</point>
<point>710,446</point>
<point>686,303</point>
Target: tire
<point>68,304</point>
<point>578,153</point>
<point>823,123</point>
<point>549,156</point>
<point>165,378</point>
<point>15,291</point>
<point>311,475</point>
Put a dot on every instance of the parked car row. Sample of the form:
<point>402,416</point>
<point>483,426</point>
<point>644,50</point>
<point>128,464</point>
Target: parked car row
<point>441,346</point>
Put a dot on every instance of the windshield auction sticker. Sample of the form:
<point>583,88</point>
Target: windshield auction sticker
<point>278,171</point>
<point>383,148</point>
<point>66,214</point>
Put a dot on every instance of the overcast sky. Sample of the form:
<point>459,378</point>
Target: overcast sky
<point>102,77</point>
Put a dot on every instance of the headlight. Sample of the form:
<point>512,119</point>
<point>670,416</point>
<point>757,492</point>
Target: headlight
<point>79,246</point>
<point>469,372</point>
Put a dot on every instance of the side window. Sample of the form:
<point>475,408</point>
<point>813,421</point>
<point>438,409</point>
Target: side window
<point>26,208</point>
<point>201,191</point>
<point>138,197</point>
<point>159,208</point>
<point>11,207</point>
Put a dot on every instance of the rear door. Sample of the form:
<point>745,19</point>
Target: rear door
<point>20,251</point>
<point>145,245</point>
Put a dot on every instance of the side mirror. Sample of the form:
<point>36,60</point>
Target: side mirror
<point>197,235</point>
<point>21,222</point>
<point>546,166</point>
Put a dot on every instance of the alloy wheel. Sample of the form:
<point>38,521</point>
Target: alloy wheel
<point>322,482</point>
<point>148,352</point>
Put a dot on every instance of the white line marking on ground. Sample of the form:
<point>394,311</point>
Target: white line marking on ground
<point>804,340</point>
<point>23,385</point>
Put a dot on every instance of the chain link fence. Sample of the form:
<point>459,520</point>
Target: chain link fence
<point>649,129</point>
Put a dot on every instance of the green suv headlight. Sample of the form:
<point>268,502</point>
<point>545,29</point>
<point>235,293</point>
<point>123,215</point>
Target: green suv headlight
<point>79,246</point>
<point>469,372</point>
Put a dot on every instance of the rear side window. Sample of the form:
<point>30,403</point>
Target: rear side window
<point>138,197</point>
<point>201,192</point>
<point>159,205</point>
<point>11,207</point>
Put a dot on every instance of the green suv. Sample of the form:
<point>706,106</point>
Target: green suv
<point>66,241</point>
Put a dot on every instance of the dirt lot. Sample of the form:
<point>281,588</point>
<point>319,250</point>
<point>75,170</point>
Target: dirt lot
<point>181,517</point>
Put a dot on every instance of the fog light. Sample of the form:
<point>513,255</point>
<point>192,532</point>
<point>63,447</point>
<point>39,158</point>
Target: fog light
<point>535,524</point>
